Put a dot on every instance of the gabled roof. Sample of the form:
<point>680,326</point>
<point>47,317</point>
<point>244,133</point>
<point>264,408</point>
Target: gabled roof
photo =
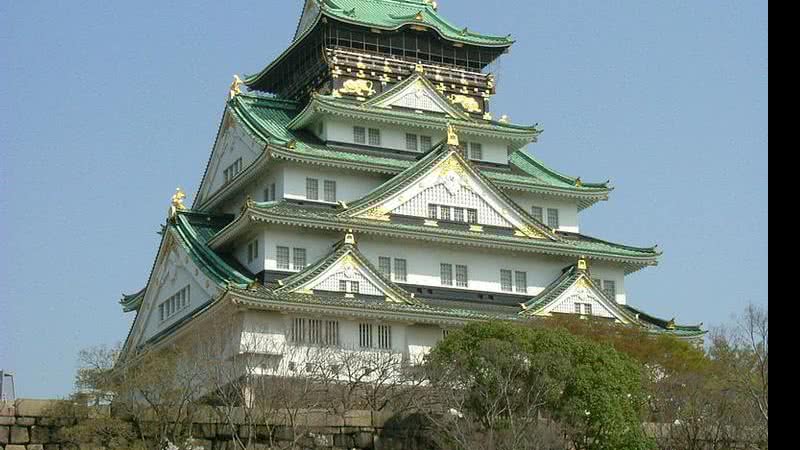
<point>416,82</point>
<point>448,162</point>
<point>268,119</point>
<point>657,324</point>
<point>572,278</point>
<point>345,256</point>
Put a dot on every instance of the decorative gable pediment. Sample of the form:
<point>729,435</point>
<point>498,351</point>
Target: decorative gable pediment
<point>451,183</point>
<point>575,293</point>
<point>341,272</point>
<point>418,94</point>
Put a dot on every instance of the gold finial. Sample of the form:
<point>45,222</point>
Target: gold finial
<point>349,238</point>
<point>235,87</point>
<point>176,204</point>
<point>419,17</point>
<point>487,116</point>
<point>578,182</point>
<point>582,264</point>
<point>433,4</point>
<point>419,68</point>
<point>292,144</point>
<point>671,324</point>
<point>504,119</point>
<point>452,137</point>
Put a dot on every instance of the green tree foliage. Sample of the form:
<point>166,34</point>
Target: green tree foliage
<point>592,390</point>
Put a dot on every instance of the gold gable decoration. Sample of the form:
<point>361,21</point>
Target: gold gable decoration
<point>361,88</point>
<point>176,203</point>
<point>529,231</point>
<point>468,103</point>
<point>378,213</point>
<point>451,164</point>
<point>452,137</point>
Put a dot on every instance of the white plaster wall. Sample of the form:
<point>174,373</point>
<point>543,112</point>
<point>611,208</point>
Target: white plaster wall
<point>394,137</point>
<point>350,185</point>
<point>567,209</point>
<point>424,259</point>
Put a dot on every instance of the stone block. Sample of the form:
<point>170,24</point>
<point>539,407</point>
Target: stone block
<point>52,447</point>
<point>343,440</point>
<point>34,408</point>
<point>35,447</point>
<point>363,439</point>
<point>19,435</point>
<point>40,434</point>
<point>26,421</point>
<point>15,447</point>
<point>7,420</point>
<point>321,440</point>
<point>357,419</point>
<point>5,435</point>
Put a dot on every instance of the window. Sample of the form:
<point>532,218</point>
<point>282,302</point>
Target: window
<point>475,151</point>
<point>269,193</point>
<point>231,171</point>
<point>521,282</point>
<point>411,142</point>
<point>331,333</point>
<point>312,189</point>
<point>359,135</point>
<point>537,213</point>
<point>374,137</point>
<point>610,289</point>
<point>349,287</point>
<point>433,212</point>
<point>444,213</point>
<point>458,214</point>
<point>315,331</point>
<point>252,251</point>
<point>425,143</point>
<point>299,258</point>
<point>578,308</point>
<point>462,277</point>
<point>445,333</point>
<point>385,266</point>
<point>472,216</point>
<point>298,331</point>
<point>447,274</point>
<point>282,257</point>
<point>330,191</point>
<point>385,337</point>
<point>400,271</point>
<point>505,280</point>
<point>587,309</point>
<point>173,304</point>
<point>365,335</point>
<point>552,218</point>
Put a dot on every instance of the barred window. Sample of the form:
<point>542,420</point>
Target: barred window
<point>587,309</point>
<point>400,270</point>
<point>298,331</point>
<point>385,337</point>
<point>330,190</point>
<point>411,142</point>
<point>374,136</point>
<point>343,285</point>
<point>476,151</point>
<point>426,143</point>
<point>521,282</point>
<point>282,257</point>
<point>505,280</point>
<point>462,276</point>
<point>359,135</point>
<point>432,212</point>
<point>332,333</point>
<point>552,218</point>
<point>231,171</point>
<point>385,266</point>
<point>350,287</point>
<point>299,259</point>
<point>354,287</point>
<point>273,192</point>
<point>365,335</point>
<point>444,212</point>
<point>537,213</point>
<point>312,189</point>
<point>447,274</point>
<point>472,216</point>
<point>610,289</point>
<point>578,308</point>
<point>252,251</point>
<point>315,335</point>
<point>458,214</point>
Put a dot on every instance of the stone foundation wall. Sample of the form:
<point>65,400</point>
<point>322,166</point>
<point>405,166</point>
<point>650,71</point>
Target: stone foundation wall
<point>26,425</point>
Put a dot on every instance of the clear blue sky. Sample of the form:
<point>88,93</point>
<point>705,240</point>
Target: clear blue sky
<point>108,106</point>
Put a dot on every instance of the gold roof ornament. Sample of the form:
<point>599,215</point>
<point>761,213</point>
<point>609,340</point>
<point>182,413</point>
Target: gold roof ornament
<point>235,88</point>
<point>582,264</point>
<point>504,119</point>
<point>452,137</point>
<point>433,4</point>
<point>176,203</point>
<point>419,17</point>
<point>578,182</point>
<point>419,68</point>
<point>671,324</point>
<point>349,238</point>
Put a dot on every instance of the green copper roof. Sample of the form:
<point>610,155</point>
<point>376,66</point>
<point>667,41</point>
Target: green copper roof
<point>657,324</point>
<point>268,119</point>
<point>132,302</point>
<point>393,14</point>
